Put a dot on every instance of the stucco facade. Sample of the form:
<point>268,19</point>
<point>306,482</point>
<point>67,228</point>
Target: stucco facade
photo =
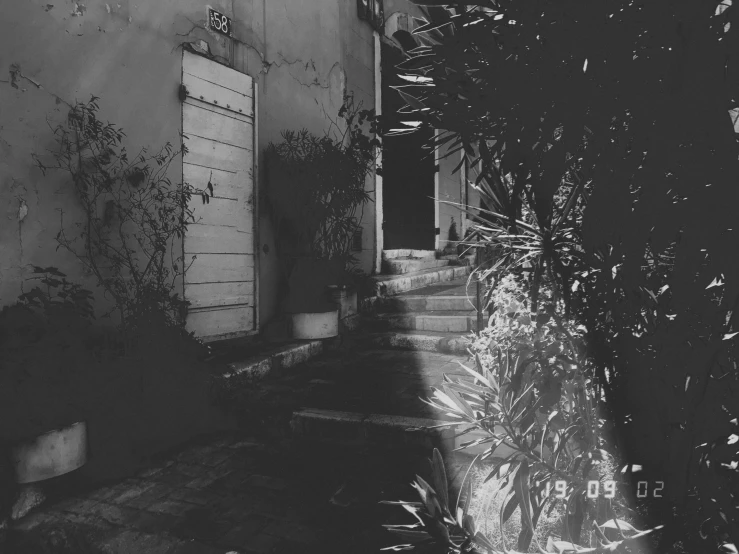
<point>302,55</point>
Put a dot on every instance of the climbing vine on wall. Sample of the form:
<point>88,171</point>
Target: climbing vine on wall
<point>133,215</point>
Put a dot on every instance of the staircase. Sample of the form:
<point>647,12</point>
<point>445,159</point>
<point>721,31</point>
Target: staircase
<point>370,391</point>
<point>404,270</point>
<point>416,327</point>
<point>421,303</point>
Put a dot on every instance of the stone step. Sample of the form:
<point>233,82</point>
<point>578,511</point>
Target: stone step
<point>401,266</point>
<point>354,427</point>
<point>427,341</point>
<point>421,303</point>
<point>386,285</point>
<point>257,366</point>
<point>444,322</point>
<point>405,253</point>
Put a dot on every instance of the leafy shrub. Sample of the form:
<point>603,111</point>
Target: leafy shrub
<point>569,134</point>
<point>132,215</point>
<point>531,393</point>
<point>142,385</point>
<point>140,389</point>
<point>317,186</point>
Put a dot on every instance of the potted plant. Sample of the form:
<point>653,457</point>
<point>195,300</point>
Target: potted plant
<point>43,349</point>
<point>317,184</point>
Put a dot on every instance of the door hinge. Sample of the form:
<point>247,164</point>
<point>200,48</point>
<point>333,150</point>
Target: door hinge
<point>437,231</point>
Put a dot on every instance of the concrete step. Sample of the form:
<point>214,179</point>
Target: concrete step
<point>444,322</point>
<point>388,430</point>
<point>422,303</point>
<point>257,366</point>
<point>406,253</point>
<point>354,427</point>
<point>427,341</point>
<point>386,285</point>
<point>401,266</point>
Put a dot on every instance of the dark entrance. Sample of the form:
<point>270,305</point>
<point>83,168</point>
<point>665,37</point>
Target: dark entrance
<point>407,171</point>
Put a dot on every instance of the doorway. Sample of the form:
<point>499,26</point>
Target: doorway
<point>408,171</point>
<point>220,283</point>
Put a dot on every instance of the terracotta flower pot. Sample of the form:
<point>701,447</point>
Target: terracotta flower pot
<point>51,454</point>
<point>315,325</point>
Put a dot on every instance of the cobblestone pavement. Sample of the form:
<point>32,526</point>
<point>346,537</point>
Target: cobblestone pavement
<point>241,494</point>
<point>263,489</point>
<point>355,380</point>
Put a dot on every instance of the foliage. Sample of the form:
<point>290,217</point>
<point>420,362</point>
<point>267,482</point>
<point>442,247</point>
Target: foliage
<point>449,525</point>
<point>606,171</point>
<point>70,297</point>
<point>139,390</point>
<point>531,395</point>
<point>317,185</point>
<point>141,385</point>
<point>132,215</point>
<point>40,336</point>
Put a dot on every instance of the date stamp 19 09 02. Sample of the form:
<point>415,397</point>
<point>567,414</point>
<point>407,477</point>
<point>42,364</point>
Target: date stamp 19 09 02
<point>608,489</point>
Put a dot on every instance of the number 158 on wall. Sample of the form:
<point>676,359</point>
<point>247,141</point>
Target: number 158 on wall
<point>219,22</point>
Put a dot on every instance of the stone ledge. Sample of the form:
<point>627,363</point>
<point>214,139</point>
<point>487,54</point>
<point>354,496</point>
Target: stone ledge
<point>421,321</point>
<point>441,343</point>
<point>386,285</point>
<point>400,430</point>
<point>276,359</point>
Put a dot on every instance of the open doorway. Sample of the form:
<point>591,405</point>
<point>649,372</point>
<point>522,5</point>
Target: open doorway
<point>408,171</point>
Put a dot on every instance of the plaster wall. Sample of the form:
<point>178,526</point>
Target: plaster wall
<point>304,55</point>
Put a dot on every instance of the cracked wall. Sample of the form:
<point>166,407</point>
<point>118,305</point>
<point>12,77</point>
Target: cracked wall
<point>303,55</point>
<point>52,55</point>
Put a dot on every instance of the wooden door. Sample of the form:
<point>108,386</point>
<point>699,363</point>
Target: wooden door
<point>218,119</point>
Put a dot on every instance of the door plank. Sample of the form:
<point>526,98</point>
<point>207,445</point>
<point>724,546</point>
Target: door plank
<point>217,155</point>
<point>215,72</point>
<point>210,268</point>
<point>216,239</point>
<point>221,323</point>
<point>226,184</point>
<point>222,211</point>
<point>208,295</point>
<point>201,122</point>
<point>212,93</point>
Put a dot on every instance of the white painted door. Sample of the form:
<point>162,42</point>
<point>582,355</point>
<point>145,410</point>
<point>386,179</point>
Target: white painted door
<point>218,121</point>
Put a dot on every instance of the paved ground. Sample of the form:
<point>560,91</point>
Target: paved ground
<point>264,489</point>
<point>242,494</point>
<point>365,381</point>
<point>458,287</point>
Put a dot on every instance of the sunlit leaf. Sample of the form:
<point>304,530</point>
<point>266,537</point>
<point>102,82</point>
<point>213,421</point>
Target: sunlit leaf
<point>440,482</point>
<point>619,525</point>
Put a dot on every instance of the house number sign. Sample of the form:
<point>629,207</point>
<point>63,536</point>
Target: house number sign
<point>219,22</point>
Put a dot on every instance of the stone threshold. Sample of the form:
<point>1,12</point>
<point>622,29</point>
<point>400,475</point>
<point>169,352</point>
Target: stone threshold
<point>284,356</point>
<point>266,357</point>
<point>397,430</point>
<point>388,285</point>
<point>427,341</point>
